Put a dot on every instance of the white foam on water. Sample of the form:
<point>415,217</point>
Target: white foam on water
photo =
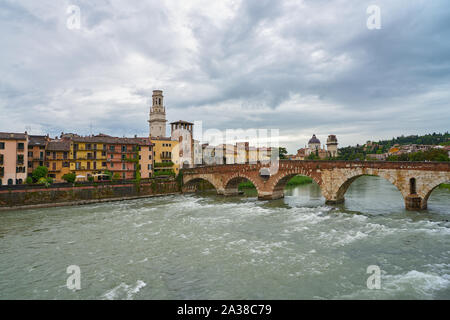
<point>124,290</point>
<point>412,284</point>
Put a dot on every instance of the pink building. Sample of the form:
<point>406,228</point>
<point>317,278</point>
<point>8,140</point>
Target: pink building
<point>13,158</point>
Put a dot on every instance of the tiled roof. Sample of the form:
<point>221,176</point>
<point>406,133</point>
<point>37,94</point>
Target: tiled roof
<point>37,140</point>
<point>60,145</point>
<point>12,136</point>
<point>110,140</point>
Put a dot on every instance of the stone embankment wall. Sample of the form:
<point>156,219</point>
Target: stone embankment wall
<point>66,194</point>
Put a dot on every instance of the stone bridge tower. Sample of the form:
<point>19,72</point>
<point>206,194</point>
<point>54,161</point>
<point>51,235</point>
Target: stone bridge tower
<point>157,120</point>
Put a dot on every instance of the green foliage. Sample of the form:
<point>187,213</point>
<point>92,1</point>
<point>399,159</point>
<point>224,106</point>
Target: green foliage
<point>29,180</point>
<point>313,156</point>
<point>44,181</point>
<point>39,172</point>
<point>108,173</point>
<point>246,185</point>
<point>164,173</point>
<point>383,146</point>
<point>90,179</point>
<point>164,164</point>
<point>429,155</point>
<point>295,181</point>
<point>116,177</point>
<point>299,180</point>
<point>282,153</point>
<point>445,186</point>
<point>179,178</point>
<point>70,177</point>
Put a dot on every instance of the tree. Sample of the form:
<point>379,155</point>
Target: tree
<point>39,172</point>
<point>282,153</point>
<point>29,180</point>
<point>69,177</point>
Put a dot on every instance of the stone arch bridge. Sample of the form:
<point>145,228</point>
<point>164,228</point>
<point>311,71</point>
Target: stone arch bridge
<point>415,180</point>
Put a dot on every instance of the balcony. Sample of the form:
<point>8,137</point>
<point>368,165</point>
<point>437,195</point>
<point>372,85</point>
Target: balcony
<point>2,171</point>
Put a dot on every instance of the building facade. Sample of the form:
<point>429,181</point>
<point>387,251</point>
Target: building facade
<point>87,156</point>
<point>183,131</point>
<point>13,158</point>
<point>165,154</point>
<point>57,159</point>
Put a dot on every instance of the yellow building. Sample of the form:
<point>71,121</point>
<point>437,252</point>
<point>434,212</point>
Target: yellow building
<point>57,159</point>
<point>87,156</point>
<point>165,151</point>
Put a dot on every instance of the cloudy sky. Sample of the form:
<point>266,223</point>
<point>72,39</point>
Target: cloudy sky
<point>301,66</point>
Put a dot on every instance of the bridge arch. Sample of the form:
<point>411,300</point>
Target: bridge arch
<point>190,184</point>
<point>426,192</point>
<point>279,181</point>
<point>342,189</point>
<point>231,185</point>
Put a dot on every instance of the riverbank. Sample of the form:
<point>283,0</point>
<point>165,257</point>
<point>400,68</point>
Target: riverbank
<point>64,195</point>
<point>295,181</point>
<point>445,186</point>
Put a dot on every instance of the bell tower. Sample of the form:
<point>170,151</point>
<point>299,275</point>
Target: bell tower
<point>157,120</point>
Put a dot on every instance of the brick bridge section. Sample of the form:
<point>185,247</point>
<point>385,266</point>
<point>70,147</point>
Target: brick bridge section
<point>415,180</point>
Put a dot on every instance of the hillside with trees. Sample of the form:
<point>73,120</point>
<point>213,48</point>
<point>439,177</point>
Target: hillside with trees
<point>359,152</point>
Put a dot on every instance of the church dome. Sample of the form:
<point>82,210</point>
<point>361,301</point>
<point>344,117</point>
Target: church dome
<point>314,140</point>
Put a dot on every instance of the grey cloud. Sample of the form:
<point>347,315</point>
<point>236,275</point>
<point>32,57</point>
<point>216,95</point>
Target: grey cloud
<point>379,83</point>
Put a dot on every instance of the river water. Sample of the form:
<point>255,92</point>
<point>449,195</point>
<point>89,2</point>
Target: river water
<point>205,246</point>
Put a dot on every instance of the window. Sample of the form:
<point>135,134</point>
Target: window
<point>54,166</point>
<point>103,153</point>
<point>88,146</point>
<point>54,155</point>
<point>30,154</point>
<point>10,182</point>
<point>123,166</point>
<point>123,157</point>
<point>20,146</point>
<point>1,159</point>
<point>112,148</point>
<point>150,157</point>
<point>124,148</point>
<point>112,164</point>
<point>112,156</point>
<point>65,164</point>
<point>20,159</point>
<point>103,164</point>
<point>65,155</point>
<point>2,145</point>
<point>47,164</point>
<point>47,153</point>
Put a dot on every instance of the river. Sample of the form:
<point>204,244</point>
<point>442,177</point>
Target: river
<point>204,246</point>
